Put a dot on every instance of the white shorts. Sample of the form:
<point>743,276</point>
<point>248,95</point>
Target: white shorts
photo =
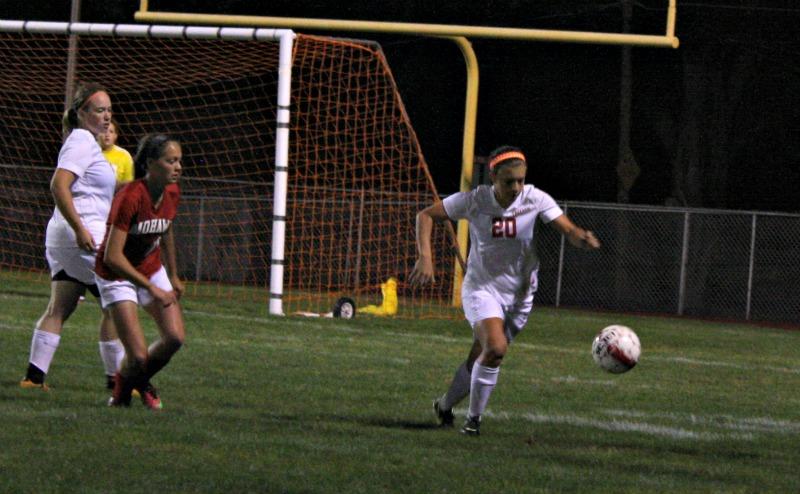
<point>480,304</point>
<point>115,291</point>
<point>77,263</point>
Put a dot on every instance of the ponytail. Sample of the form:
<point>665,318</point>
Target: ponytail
<point>69,121</point>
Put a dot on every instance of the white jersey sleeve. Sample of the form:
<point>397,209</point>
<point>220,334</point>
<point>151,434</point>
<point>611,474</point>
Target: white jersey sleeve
<point>457,205</point>
<point>548,208</point>
<point>75,151</point>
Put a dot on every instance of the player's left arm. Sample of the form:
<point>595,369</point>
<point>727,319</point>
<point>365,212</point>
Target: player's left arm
<point>170,261</point>
<point>577,236</point>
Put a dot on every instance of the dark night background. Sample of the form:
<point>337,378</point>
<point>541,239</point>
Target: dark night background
<point>714,123</point>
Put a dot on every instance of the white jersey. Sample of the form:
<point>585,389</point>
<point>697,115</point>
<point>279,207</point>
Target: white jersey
<point>502,255</point>
<point>92,191</point>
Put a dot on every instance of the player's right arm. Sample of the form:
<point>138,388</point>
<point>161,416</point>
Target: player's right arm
<point>61,188</point>
<point>423,269</point>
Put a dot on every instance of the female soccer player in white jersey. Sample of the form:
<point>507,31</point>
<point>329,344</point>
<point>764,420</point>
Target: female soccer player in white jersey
<point>497,293</point>
<point>129,272</point>
<point>82,187</point>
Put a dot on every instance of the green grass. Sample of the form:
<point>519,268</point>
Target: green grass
<point>261,404</point>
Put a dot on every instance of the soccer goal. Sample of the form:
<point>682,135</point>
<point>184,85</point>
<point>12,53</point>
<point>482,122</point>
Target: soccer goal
<point>337,137</point>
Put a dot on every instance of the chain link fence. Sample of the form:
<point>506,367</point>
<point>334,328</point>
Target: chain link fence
<point>733,265</point>
<point>703,263</point>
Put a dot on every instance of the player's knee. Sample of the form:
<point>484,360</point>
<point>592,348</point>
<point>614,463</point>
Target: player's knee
<point>58,312</point>
<point>493,355</point>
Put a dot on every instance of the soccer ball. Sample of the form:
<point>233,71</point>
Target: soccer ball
<point>616,349</point>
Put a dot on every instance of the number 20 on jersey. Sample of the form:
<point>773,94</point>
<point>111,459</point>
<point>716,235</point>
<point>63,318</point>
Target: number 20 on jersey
<point>504,227</point>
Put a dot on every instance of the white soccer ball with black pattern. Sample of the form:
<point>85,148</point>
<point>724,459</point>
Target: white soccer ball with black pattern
<point>616,349</point>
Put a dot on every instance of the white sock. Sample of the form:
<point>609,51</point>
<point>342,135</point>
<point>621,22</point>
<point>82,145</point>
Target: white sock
<point>483,381</point>
<point>458,389</point>
<point>43,347</point>
<point>112,352</point>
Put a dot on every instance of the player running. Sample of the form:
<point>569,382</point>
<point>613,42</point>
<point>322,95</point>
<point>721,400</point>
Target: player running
<point>501,279</point>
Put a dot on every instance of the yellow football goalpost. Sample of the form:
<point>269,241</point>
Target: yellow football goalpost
<point>458,34</point>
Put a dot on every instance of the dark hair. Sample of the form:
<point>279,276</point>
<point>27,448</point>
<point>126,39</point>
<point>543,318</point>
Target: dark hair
<point>505,160</point>
<point>116,126</point>
<point>150,147</point>
<point>83,92</point>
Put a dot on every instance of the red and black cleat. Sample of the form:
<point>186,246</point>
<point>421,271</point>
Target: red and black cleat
<point>150,397</point>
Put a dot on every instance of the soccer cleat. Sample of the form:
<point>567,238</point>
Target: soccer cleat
<point>110,386</point>
<point>445,417</point>
<point>28,384</point>
<point>150,398</point>
<point>121,394</point>
<point>472,427</point>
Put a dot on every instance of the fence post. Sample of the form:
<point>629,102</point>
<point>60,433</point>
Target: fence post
<point>684,261</point>
<point>560,265</point>
<point>750,269</point>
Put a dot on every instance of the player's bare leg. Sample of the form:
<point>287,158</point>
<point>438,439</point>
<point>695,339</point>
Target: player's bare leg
<point>169,321</point>
<point>133,371</point>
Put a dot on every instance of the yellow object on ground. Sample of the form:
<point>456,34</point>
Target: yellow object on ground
<point>389,305</point>
<point>28,384</point>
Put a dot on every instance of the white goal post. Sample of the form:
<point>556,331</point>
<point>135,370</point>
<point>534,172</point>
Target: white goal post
<point>285,37</point>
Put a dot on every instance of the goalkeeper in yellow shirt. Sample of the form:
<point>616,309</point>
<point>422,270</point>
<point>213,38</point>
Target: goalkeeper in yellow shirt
<point>119,158</point>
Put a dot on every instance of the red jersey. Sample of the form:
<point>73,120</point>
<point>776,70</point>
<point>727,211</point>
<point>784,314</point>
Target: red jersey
<point>132,211</point>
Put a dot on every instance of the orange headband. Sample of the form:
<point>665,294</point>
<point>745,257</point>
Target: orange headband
<point>505,156</point>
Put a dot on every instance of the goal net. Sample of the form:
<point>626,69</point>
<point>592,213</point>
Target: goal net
<point>357,175</point>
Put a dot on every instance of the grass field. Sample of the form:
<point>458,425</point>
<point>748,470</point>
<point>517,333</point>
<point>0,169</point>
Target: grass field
<point>261,404</point>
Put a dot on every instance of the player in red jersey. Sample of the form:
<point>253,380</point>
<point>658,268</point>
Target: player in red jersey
<point>129,271</point>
